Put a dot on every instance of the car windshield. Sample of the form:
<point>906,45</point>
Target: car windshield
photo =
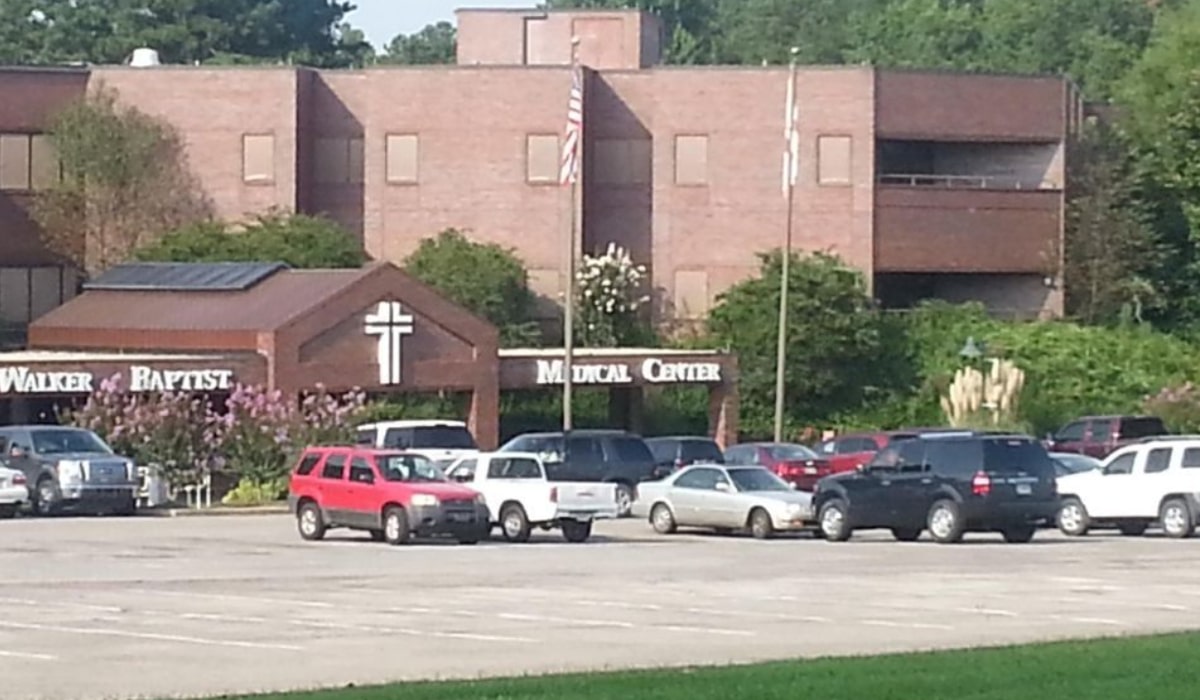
<point>436,437</point>
<point>408,468</point>
<point>1009,455</point>
<point>695,451</point>
<point>791,452</point>
<point>757,480</point>
<point>67,440</point>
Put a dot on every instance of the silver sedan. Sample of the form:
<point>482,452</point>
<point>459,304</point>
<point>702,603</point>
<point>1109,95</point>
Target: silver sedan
<point>724,498</point>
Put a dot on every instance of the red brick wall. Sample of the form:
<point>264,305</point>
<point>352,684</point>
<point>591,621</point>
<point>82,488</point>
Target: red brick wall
<point>213,108</point>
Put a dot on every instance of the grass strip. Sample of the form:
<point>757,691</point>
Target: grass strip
<point>1133,668</point>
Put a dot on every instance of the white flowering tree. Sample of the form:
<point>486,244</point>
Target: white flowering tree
<point>611,295</point>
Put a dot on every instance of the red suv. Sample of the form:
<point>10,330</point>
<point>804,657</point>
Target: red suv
<point>391,494</point>
<point>795,464</point>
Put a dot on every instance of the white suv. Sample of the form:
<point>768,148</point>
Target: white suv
<point>1156,480</point>
<point>440,441</point>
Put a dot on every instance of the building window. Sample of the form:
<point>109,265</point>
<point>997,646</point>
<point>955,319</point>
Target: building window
<point>622,162</point>
<point>403,159</point>
<point>691,160</point>
<point>338,161</point>
<point>541,159</point>
<point>833,160</point>
<point>691,294</point>
<point>258,159</point>
<point>28,162</point>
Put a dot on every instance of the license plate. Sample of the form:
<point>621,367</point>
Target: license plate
<point>1024,489</point>
<point>460,518</point>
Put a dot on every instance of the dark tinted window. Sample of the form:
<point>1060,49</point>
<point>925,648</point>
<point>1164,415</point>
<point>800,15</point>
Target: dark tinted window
<point>365,436</point>
<point>887,459</point>
<point>443,437</point>
<point>585,451</point>
<point>1191,458</point>
<point>701,451</point>
<point>1072,432</point>
<point>1006,456</point>
<point>67,440</point>
<point>307,463</point>
<point>1158,460</point>
<point>335,466</point>
<point>1134,428</point>
<point>632,451</point>
<point>741,455</point>
<point>664,451</point>
<point>513,468</point>
<point>958,458</point>
<point>1102,430</point>
<point>361,472</point>
<point>1121,465</point>
<point>856,445</point>
<point>791,452</point>
<point>705,479</point>
<point>549,446</point>
<point>893,439</point>
<point>911,456</point>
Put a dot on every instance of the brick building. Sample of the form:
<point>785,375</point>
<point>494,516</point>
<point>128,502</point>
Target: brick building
<point>934,184</point>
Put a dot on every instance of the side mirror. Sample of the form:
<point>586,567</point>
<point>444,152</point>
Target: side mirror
<point>862,468</point>
<point>18,452</point>
<point>793,486</point>
<point>723,487</point>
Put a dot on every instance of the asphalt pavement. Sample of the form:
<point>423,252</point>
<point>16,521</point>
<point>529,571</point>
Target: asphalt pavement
<point>94,608</point>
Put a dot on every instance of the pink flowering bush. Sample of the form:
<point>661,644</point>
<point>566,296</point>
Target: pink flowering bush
<point>255,436</point>
<point>1178,406</point>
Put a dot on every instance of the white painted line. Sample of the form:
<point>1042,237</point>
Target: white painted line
<point>147,635</point>
<point>374,629</point>
<point>1097,621</point>
<point>782,617</point>
<point>618,604</point>
<point>907,625</point>
<point>226,596</point>
<point>705,630</point>
<point>82,606</point>
<point>994,612</point>
<point>522,617</point>
<point>1075,579</point>
<point>27,655</point>
<point>1173,608</point>
<point>214,618</point>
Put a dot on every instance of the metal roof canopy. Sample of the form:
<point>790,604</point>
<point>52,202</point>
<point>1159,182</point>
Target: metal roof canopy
<point>184,277</point>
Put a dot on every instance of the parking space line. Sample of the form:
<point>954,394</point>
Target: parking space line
<point>231,597</point>
<point>182,639</point>
<point>524,617</point>
<point>63,604</point>
<point>991,612</point>
<point>908,625</point>
<point>376,629</point>
<point>27,655</point>
<point>1097,621</point>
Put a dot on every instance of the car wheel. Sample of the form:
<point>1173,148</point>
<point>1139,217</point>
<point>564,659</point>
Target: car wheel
<point>576,531</point>
<point>1020,534</point>
<point>8,512</point>
<point>945,522</point>
<point>834,524</point>
<point>1176,519</point>
<point>310,522</point>
<point>760,524</point>
<point>376,535</point>
<point>395,526</point>
<point>624,500</point>
<point>47,498</point>
<point>514,523</point>
<point>906,534</point>
<point>1073,518</point>
<point>662,519</point>
<point>1134,529</point>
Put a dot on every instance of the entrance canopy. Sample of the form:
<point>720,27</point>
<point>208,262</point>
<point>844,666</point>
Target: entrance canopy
<point>205,327</point>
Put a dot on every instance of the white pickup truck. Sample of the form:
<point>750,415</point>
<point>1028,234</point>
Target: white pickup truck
<point>520,496</point>
<point>1154,481</point>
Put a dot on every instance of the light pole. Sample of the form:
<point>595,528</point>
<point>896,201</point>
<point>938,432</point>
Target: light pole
<point>791,156</point>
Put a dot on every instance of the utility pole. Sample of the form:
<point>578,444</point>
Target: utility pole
<point>791,156</point>
<point>569,309</point>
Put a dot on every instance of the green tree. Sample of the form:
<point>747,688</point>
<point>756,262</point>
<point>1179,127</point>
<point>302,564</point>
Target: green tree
<point>483,277</point>
<point>299,240</point>
<point>1113,255</point>
<point>183,31</point>
<point>436,43</point>
<point>842,351</point>
<point>123,181</point>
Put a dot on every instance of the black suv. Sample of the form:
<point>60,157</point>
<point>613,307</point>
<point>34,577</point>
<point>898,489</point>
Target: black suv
<point>948,483</point>
<point>612,456</point>
<point>671,453</point>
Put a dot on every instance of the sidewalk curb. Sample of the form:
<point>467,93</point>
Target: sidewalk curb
<point>214,512</point>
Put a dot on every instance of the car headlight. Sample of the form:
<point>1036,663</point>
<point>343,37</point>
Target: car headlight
<point>795,508</point>
<point>69,471</point>
<point>479,499</point>
<point>131,472</point>
<point>424,499</point>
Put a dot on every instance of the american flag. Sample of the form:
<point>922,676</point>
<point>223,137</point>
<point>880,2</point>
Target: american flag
<point>791,137</point>
<point>568,173</point>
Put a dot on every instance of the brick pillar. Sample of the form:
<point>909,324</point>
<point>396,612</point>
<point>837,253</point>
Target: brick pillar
<point>723,414</point>
<point>483,419</point>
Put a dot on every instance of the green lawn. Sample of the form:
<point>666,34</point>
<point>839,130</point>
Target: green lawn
<point>1149,668</point>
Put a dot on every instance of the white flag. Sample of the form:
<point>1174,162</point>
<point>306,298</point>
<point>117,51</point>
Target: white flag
<point>791,137</point>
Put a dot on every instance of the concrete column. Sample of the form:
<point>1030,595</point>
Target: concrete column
<point>483,419</point>
<point>723,414</point>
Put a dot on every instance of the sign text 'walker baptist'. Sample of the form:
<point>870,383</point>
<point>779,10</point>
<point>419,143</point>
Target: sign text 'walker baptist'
<point>652,371</point>
<point>26,381</point>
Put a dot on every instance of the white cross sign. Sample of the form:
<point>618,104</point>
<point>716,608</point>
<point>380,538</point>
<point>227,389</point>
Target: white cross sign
<point>391,324</point>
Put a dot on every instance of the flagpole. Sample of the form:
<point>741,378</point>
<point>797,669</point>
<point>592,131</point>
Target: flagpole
<point>569,310</point>
<point>789,179</point>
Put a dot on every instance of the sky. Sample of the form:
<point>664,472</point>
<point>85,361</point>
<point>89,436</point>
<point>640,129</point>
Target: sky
<point>383,19</point>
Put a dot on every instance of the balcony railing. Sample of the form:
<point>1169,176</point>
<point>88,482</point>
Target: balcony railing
<point>966,182</point>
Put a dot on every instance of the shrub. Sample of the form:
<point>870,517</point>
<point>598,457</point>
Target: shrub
<point>1178,406</point>
<point>610,296</point>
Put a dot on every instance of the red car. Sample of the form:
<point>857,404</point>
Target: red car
<point>795,464</point>
<point>391,494</point>
<point>846,453</point>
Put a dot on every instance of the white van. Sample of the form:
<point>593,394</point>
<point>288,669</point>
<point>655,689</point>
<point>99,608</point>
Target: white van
<point>441,441</point>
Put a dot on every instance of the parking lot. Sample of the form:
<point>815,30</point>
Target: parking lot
<point>111,608</point>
